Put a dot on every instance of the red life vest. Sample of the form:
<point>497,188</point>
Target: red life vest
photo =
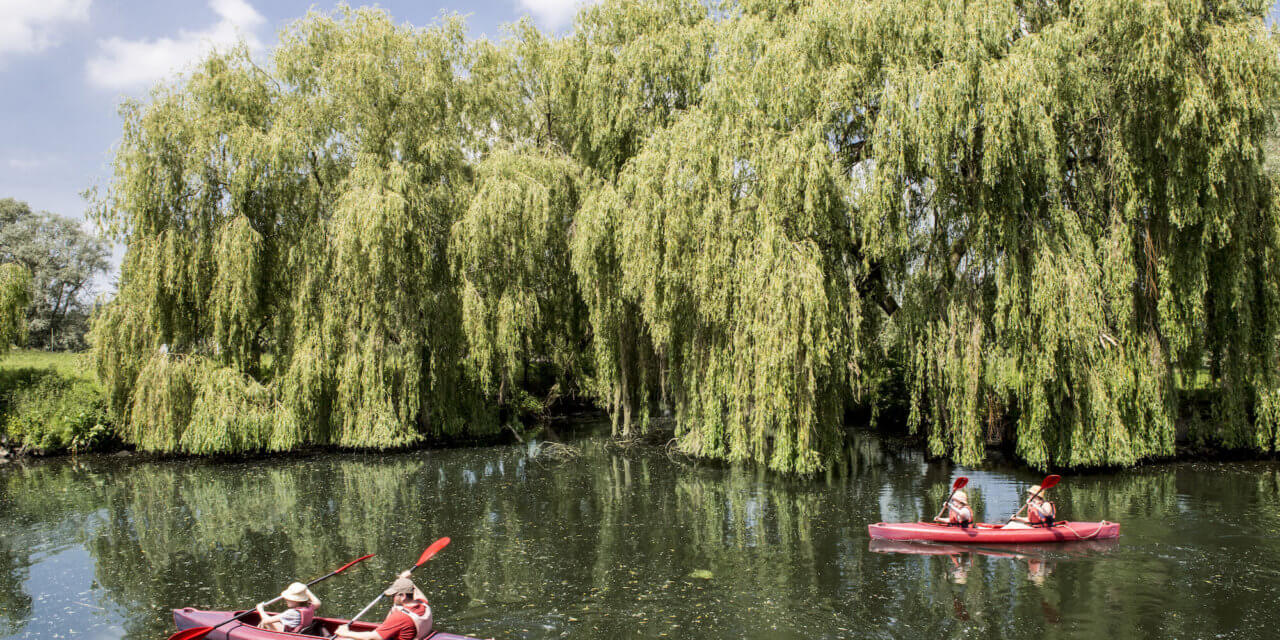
<point>960,515</point>
<point>422,623</point>
<point>308,612</point>
<point>1042,514</point>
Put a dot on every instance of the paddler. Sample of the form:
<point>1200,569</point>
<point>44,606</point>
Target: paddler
<point>301,610</point>
<point>1040,512</point>
<point>409,618</point>
<point>958,512</point>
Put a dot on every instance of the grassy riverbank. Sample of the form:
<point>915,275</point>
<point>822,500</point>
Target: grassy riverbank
<point>51,403</point>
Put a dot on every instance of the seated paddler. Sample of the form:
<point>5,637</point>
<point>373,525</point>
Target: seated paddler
<point>297,617</point>
<point>958,512</point>
<point>409,618</point>
<point>1040,512</point>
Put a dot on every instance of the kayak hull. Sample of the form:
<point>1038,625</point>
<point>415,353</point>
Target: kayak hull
<point>188,618</point>
<point>994,533</point>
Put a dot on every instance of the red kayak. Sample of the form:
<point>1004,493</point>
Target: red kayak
<point>245,628</point>
<point>994,533</point>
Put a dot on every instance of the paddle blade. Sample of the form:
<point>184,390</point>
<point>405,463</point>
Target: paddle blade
<point>432,550</point>
<point>960,483</point>
<point>191,634</point>
<point>349,564</point>
<point>1050,482</point>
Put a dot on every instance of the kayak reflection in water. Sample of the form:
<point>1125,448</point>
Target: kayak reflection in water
<point>959,514</point>
<point>1040,512</point>
<point>302,610</point>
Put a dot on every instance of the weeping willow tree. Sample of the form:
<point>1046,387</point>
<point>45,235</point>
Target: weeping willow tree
<point>1078,210</point>
<point>1040,222</point>
<point>15,295</point>
<point>301,213</point>
<point>520,305</point>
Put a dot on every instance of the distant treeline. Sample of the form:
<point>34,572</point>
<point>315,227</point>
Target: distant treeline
<point>1042,222</point>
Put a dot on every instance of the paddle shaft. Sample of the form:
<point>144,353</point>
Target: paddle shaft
<point>281,596</point>
<point>426,555</point>
<point>959,484</point>
<point>1048,483</point>
<point>375,602</point>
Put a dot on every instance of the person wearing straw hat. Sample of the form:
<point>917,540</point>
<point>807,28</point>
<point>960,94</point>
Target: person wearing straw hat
<point>959,514</point>
<point>409,618</point>
<point>1040,512</point>
<point>302,610</point>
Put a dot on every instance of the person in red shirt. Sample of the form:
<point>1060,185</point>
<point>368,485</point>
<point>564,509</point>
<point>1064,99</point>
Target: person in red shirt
<point>409,618</point>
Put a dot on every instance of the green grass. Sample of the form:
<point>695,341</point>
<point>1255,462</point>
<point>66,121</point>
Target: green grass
<point>70,365</point>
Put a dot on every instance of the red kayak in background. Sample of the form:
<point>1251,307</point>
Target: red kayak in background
<point>994,533</point>
<point>245,628</point>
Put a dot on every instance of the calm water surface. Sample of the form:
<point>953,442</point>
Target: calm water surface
<point>628,543</point>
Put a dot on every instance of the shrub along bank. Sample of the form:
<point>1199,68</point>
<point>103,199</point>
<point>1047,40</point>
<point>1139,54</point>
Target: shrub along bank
<point>49,404</point>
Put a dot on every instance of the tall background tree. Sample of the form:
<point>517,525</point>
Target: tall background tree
<point>63,260</point>
<point>1040,224</point>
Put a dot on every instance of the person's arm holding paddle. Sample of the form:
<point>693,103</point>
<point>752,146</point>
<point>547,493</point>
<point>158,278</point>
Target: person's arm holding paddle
<point>410,616</point>
<point>1039,511</point>
<point>960,514</point>
<point>952,517</point>
<point>297,598</point>
<point>199,633</point>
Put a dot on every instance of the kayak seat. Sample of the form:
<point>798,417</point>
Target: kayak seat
<point>318,629</point>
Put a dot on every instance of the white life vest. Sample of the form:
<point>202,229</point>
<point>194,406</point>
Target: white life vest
<point>422,623</point>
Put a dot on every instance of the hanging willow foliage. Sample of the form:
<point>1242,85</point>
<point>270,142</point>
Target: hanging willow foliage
<point>511,257</point>
<point>15,296</point>
<point>1082,188</point>
<point>1039,222</point>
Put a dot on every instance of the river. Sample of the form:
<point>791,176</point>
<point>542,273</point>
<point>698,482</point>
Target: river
<point>623,543</point>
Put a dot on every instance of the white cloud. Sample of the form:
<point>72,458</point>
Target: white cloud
<point>129,64</point>
<point>28,26</point>
<point>32,161</point>
<point>553,13</point>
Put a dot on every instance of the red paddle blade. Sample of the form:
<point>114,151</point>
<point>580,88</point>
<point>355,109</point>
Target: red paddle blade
<point>191,634</point>
<point>1050,481</point>
<point>432,550</point>
<point>357,560</point>
<point>960,483</point>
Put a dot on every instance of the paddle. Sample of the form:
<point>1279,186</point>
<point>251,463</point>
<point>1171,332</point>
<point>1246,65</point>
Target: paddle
<point>194,633</point>
<point>956,486</point>
<point>1047,483</point>
<point>426,555</point>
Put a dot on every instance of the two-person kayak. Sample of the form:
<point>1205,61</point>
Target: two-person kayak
<point>994,533</point>
<point>1040,526</point>
<point>246,628</point>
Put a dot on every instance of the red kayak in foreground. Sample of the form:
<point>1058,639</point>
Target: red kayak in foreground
<point>245,629</point>
<point>994,533</point>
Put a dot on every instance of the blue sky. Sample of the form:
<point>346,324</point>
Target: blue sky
<point>66,64</point>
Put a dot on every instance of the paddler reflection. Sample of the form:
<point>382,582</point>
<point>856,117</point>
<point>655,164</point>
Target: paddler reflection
<point>1040,559</point>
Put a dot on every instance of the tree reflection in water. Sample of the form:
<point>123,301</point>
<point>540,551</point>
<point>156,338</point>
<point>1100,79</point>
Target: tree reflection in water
<point>627,542</point>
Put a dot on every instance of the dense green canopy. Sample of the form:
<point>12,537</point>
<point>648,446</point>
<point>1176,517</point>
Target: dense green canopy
<point>1042,223</point>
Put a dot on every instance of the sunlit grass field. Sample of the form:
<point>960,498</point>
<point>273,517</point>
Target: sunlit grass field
<point>71,365</point>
